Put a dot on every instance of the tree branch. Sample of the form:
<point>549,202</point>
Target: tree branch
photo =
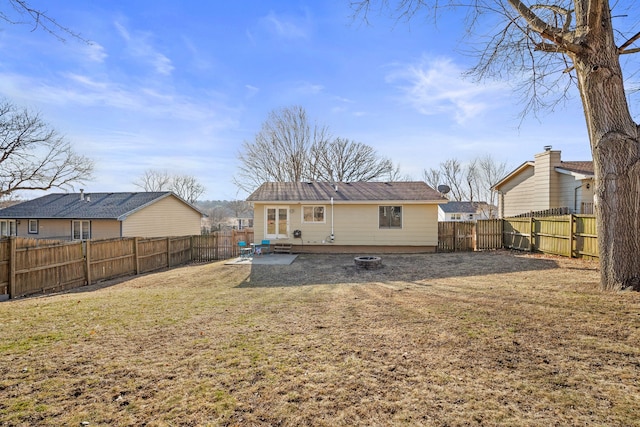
<point>623,49</point>
<point>545,30</point>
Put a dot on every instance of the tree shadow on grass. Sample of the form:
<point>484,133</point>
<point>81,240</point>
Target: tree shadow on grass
<point>323,269</point>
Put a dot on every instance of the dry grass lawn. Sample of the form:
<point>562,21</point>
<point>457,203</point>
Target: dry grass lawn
<point>492,338</point>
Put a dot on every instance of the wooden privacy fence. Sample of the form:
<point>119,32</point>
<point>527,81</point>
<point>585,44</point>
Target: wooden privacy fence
<point>456,236</point>
<point>568,235</point>
<point>30,266</point>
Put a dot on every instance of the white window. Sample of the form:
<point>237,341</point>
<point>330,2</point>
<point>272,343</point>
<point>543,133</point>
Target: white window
<point>456,217</point>
<point>390,216</point>
<point>277,222</point>
<point>33,226</point>
<point>80,230</point>
<point>313,214</point>
<point>7,227</point>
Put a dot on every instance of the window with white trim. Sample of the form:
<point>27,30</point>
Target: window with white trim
<point>277,222</point>
<point>7,227</point>
<point>313,214</point>
<point>390,216</point>
<point>33,226</point>
<point>80,230</point>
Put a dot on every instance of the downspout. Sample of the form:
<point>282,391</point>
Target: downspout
<point>332,236</point>
<point>575,198</point>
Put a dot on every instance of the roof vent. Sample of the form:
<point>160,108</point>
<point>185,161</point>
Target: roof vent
<point>547,148</point>
<point>82,194</point>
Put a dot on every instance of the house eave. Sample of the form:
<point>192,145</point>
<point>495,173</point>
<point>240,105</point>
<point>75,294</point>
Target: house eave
<point>512,175</point>
<point>577,175</point>
<point>350,202</point>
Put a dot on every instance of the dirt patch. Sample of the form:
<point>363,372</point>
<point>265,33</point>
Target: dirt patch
<point>443,339</point>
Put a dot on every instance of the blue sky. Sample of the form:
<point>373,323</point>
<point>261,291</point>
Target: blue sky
<point>180,85</point>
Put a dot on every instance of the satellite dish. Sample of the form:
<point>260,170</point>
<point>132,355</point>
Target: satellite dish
<point>444,189</point>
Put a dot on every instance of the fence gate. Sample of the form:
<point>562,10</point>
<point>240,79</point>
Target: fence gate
<point>454,236</point>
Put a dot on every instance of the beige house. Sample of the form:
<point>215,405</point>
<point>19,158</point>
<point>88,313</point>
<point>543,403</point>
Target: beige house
<point>547,183</point>
<point>348,217</point>
<point>81,216</point>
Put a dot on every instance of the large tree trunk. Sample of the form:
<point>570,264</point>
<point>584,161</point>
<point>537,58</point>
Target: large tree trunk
<point>615,145</point>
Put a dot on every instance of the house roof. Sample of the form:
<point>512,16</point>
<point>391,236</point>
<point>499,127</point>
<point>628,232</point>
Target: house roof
<point>416,191</point>
<point>86,205</point>
<point>461,207</point>
<point>582,169</point>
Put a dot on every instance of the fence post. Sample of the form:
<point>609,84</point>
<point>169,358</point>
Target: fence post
<point>531,234</point>
<point>168,252</point>
<point>474,232</point>
<point>572,235</point>
<point>87,258</point>
<point>135,254</point>
<point>12,266</point>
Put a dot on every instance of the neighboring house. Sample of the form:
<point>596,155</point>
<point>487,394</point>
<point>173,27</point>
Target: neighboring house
<point>244,223</point>
<point>348,217</point>
<point>73,216</point>
<point>465,211</point>
<point>547,183</point>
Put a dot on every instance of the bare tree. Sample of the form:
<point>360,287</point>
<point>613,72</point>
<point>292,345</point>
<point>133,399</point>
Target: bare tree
<point>453,175</point>
<point>342,160</point>
<point>239,208</point>
<point>560,43</point>
<point>289,149</point>
<point>489,172</point>
<point>396,175</point>
<point>280,151</point>
<point>33,156</point>
<point>21,13</point>
<point>469,181</point>
<point>185,186</point>
<point>154,180</point>
<point>433,177</point>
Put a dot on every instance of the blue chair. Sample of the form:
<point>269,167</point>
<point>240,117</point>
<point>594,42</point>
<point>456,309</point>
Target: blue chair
<point>266,246</point>
<point>245,251</point>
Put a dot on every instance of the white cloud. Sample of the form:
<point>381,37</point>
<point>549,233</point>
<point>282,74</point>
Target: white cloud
<point>437,86</point>
<point>95,52</point>
<point>251,90</point>
<point>141,48</point>
<point>285,27</point>
<point>306,88</point>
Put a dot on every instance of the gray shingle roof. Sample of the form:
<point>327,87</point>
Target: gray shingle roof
<point>351,191</point>
<point>93,206</point>
<point>462,207</point>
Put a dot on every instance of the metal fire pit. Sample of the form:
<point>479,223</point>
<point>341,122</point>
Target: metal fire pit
<point>368,262</point>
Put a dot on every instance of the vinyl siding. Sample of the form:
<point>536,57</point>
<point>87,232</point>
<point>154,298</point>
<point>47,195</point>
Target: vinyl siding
<point>357,224</point>
<point>166,217</point>
<point>548,186</point>
<point>61,229</point>
<point>517,194</point>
